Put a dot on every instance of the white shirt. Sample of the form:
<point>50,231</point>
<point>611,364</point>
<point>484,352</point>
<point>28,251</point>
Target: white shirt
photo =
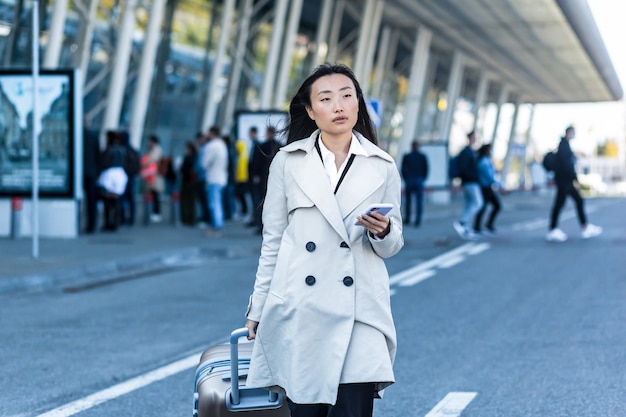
<point>215,161</point>
<point>328,159</point>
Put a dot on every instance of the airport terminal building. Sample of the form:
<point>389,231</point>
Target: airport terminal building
<point>431,70</point>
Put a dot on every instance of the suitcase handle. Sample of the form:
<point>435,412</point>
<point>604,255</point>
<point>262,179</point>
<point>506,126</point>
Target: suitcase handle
<point>234,370</point>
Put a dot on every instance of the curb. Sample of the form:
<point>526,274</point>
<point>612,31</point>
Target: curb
<point>88,275</point>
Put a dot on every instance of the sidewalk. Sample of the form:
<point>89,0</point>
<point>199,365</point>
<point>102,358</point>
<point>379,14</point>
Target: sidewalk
<point>111,255</point>
<point>143,249</point>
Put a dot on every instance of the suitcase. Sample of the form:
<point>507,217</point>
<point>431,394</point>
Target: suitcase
<point>220,388</point>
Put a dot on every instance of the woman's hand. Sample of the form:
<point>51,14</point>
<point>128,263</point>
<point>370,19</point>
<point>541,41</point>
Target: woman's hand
<point>252,325</point>
<point>376,224</point>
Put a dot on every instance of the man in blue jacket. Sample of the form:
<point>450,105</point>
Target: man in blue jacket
<point>567,185</point>
<point>472,195</point>
<point>414,171</point>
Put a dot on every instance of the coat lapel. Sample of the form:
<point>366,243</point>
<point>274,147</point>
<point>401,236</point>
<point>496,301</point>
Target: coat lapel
<point>311,178</point>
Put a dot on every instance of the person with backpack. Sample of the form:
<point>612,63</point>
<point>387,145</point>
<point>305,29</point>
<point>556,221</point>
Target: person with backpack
<point>467,169</point>
<point>567,185</point>
<point>132,166</point>
<point>488,186</point>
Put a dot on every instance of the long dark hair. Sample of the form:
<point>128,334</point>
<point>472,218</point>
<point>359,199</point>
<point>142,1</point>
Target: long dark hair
<point>301,126</point>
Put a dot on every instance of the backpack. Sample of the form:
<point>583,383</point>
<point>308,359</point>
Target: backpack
<point>453,168</point>
<point>549,161</point>
<point>132,166</point>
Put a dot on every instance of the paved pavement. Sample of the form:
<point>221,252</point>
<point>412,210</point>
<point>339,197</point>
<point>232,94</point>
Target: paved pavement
<point>142,249</point>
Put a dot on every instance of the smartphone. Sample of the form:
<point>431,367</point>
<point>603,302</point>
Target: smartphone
<point>382,208</point>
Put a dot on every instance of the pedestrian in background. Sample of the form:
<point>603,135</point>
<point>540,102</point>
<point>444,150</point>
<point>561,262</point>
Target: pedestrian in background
<point>259,172</point>
<point>132,167</point>
<point>567,185</point>
<point>153,180</point>
<point>414,171</point>
<point>489,187</point>
<point>472,195</point>
<point>254,183</point>
<point>202,198</point>
<point>91,170</point>
<point>215,163</point>
<point>112,180</point>
<point>188,186</point>
<point>230,208</point>
<point>242,187</point>
<point>320,311</point>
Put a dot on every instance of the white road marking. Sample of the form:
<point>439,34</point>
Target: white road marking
<point>449,263</point>
<point>409,273</point>
<point>123,388</point>
<point>419,277</point>
<point>427,269</point>
<point>452,405</point>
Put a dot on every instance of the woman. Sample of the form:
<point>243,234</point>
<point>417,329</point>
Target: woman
<point>320,311</point>
<point>155,184</point>
<point>488,187</point>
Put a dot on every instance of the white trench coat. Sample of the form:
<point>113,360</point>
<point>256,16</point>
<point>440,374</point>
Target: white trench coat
<point>322,289</point>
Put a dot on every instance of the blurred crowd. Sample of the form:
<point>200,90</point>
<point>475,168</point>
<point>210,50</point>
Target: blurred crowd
<point>215,180</point>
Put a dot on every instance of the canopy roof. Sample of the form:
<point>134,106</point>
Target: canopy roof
<point>550,51</point>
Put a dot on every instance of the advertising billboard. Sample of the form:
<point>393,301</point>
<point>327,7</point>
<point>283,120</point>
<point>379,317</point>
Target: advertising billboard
<point>56,108</point>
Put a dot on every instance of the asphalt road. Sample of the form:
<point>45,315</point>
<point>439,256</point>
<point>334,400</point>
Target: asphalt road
<point>507,326</point>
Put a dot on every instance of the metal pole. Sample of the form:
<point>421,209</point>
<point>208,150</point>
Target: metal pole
<point>146,69</point>
<point>413,99</point>
<point>117,83</point>
<point>363,41</point>
<point>285,64</point>
<point>368,60</point>
<point>53,49</point>
<point>321,39</point>
<point>211,102</point>
<point>269,80</point>
<point>237,63</point>
<point>35,208</point>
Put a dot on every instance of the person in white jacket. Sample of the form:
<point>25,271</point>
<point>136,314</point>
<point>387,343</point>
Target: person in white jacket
<point>320,311</point>
<point>215,162</point>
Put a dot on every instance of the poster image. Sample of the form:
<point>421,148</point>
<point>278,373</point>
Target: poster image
<point>55,109</point>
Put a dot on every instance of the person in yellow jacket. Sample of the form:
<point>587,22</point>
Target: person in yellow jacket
<point>242,189</point>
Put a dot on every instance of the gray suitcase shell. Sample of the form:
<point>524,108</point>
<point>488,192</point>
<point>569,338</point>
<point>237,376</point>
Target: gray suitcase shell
<point>220,389</point>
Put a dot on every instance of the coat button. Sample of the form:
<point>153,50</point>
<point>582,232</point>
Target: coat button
<point>310,280</point>
<point>310,246</point>
<point>348,281</point>
<point>344,245</point>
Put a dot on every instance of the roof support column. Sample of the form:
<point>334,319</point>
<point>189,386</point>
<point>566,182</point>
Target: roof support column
<point>509,155</point>
<point>502,98</point>
<point>117,84</point>
<point>146,71</point>
<point>385,64</point>
<point>413,100</point>
<point>522,168</point>
<point>371,46</point>
<point>321,39</point>
<point>363,42</point>
<point>285,62</point>
<point>335,30</point>
<point>87,23</point>
<point>243,33</point>
<point>453,90</point>
<point>55,40</point>
<point>211,98</point>
<point>278,25</point>
<point>481,94</point>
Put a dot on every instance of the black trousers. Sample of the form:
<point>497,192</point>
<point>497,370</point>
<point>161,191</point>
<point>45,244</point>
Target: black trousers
<point>562,191</point>
<point>489,197</point>
<point>353,400</point>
